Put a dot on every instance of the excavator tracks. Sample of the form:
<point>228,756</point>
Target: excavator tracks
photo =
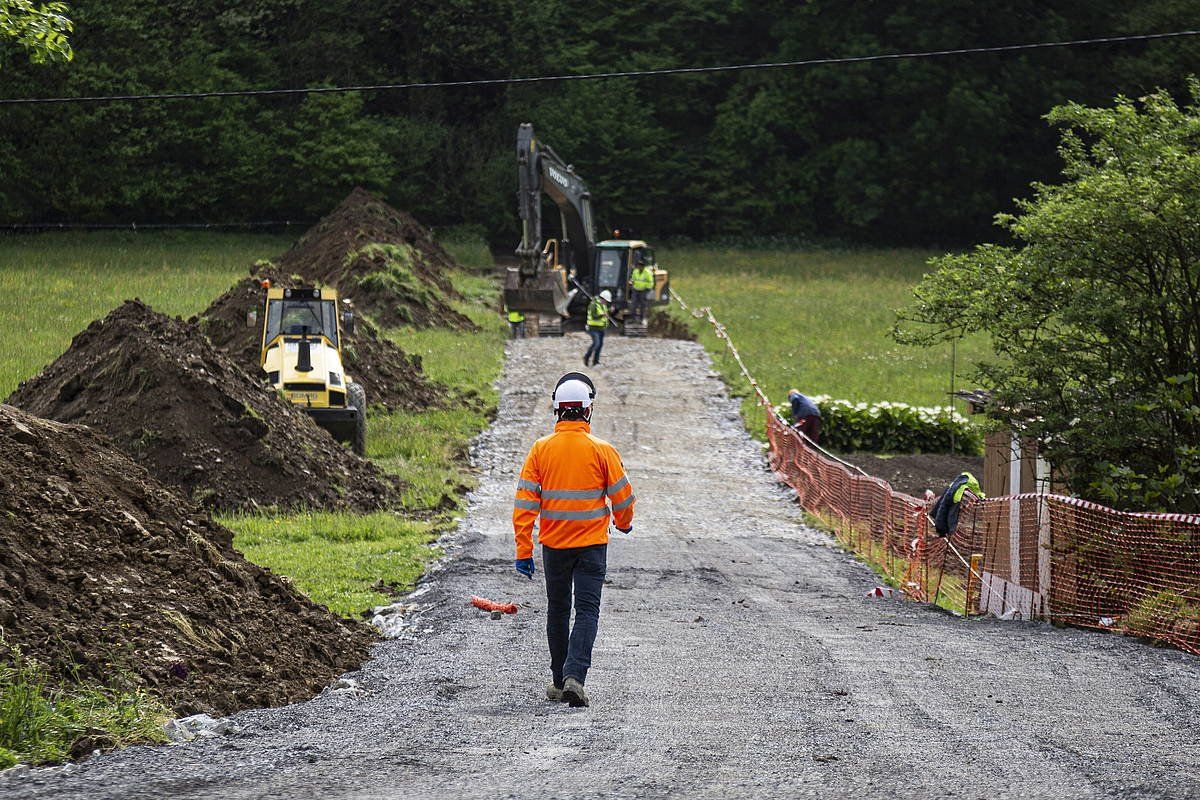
<point>549,325</point>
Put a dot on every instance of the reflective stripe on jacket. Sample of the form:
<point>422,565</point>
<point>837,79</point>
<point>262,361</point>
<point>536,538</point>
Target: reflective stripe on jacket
<point>643,279</point>
<point>569,479</point>
<point>516,316</point>
<point>597,314</point>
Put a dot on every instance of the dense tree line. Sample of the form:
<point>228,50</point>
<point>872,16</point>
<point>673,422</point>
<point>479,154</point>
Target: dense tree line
<point>913,151</point>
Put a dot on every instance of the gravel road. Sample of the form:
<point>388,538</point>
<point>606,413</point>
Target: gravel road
<point>737,656</point>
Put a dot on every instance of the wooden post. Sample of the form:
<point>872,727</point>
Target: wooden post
<point>1014,511</point>
<point>976,566</point>
<point>1044,541</point>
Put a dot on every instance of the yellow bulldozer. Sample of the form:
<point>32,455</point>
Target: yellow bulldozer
<point>302,357</point>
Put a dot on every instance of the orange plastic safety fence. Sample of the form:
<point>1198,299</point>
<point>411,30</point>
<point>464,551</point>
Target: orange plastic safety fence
<point>1019,557</point>
<point>1035,555</point>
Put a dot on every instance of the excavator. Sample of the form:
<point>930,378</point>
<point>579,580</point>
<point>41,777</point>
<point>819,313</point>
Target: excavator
<point>556,278</point>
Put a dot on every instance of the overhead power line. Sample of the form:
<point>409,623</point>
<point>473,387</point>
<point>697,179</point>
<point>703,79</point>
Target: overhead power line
<point>649,73</point>
<point>136,226</point>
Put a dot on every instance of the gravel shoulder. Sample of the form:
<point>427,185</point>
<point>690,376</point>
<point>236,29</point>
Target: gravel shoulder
<point>737,655</point>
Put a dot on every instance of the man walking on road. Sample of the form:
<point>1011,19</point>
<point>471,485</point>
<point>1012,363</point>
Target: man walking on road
<point>565,480</point>
<point>597,323</point>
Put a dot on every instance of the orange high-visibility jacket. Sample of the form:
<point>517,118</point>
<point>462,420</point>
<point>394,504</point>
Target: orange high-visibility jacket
<point>566,478</point>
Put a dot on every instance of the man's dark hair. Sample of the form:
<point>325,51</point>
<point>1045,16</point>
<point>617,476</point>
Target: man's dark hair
<point>573,413</point>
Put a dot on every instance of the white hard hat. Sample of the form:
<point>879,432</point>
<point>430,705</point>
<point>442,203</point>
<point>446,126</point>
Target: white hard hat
<point>572,392</point>
<point>574,387</point>
<point>606,296</point>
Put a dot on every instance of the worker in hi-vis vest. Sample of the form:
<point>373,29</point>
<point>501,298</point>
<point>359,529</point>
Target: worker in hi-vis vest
<point>641,282</point>
<point>575,482</point>
<point>516,321</point>
<point>597,323</point>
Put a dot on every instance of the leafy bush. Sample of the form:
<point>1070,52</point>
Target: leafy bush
<point>893,427</point>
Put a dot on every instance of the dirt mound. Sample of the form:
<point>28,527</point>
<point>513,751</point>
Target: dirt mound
<point>662,325</point>
<point>391,377</point>
<point>382,259</point>
<point>106,574</point>
<point>913,474</point>
<point>196,420</point>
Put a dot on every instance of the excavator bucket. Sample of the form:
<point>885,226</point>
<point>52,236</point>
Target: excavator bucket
<point>545,292</point>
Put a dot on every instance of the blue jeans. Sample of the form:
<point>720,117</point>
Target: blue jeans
<point>593,352</point>
<point>581,568</point>
<point>637,308</point>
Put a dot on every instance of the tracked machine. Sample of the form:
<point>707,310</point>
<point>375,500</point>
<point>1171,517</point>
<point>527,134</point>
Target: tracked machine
<point>302,357</point>
<point>556,278</point>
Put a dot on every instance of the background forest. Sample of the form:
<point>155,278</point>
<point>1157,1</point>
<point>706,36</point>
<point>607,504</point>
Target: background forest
<point>922,151</point>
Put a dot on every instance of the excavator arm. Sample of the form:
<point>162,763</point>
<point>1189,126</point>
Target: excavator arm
<point>540,170</point>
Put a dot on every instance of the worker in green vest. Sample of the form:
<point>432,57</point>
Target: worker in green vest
<point>516,320</point>
<point>642,282</point>
<point>597,323</point>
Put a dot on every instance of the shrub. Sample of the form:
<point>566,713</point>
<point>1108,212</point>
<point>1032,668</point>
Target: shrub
<point>887,427</point>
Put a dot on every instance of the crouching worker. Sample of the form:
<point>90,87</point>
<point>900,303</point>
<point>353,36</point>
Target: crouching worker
<point>945,511</point>
<point>806,416</point>
<point>568,479</point>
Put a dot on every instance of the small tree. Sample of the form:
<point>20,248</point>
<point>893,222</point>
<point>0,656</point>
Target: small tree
<point>1094,314</point>
<point>41,29</point>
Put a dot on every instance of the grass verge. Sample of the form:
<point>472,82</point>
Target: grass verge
<point>43,722</point>
<point>349,562</point>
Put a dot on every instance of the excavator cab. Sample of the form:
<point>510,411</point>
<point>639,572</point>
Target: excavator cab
<point>615,261</point>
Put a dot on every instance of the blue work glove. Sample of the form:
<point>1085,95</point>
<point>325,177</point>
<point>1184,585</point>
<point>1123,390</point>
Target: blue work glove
<point>525,567</point>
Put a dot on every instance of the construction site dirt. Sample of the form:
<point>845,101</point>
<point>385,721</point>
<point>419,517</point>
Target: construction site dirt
<point>106,575</point>
<point>198,421</point>
<point>913,473</point>
<point>738,655</point>
<point>383,260</point>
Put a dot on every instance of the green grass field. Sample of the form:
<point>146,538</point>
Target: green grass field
<point>816,320</point>
<point>53,284</point>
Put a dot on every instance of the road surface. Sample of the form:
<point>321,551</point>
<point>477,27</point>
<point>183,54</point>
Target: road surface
<point>737,656</point>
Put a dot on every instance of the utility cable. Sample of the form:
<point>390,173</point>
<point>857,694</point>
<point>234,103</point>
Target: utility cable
<point>134,226</point>
<point>811,62</point>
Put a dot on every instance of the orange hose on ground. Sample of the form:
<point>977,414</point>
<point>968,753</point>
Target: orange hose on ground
<point>491,605</point>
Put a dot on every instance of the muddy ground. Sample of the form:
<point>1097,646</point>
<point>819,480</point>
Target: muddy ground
<point>108,576</point>
<point>914,473</point>
<point>737,656</point>
<point>198,421</point>
<point>382,259</point>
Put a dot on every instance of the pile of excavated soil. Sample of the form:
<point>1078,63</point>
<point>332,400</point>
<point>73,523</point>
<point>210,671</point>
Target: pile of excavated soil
<point>196,420</point>
<point>383,259</point>
<point>662,325</point>
<point>107,575</point>
<point>391,377</point>
<point>914,473</point>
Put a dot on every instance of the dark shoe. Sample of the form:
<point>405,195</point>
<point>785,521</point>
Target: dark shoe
<point>554,693</point>
<point>573,693</point>
<point>585,361</point>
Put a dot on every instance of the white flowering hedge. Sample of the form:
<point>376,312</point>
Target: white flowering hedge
<point>893,427</point>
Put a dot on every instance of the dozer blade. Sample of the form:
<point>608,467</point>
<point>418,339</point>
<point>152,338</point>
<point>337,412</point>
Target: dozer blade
<point>545,292</point>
